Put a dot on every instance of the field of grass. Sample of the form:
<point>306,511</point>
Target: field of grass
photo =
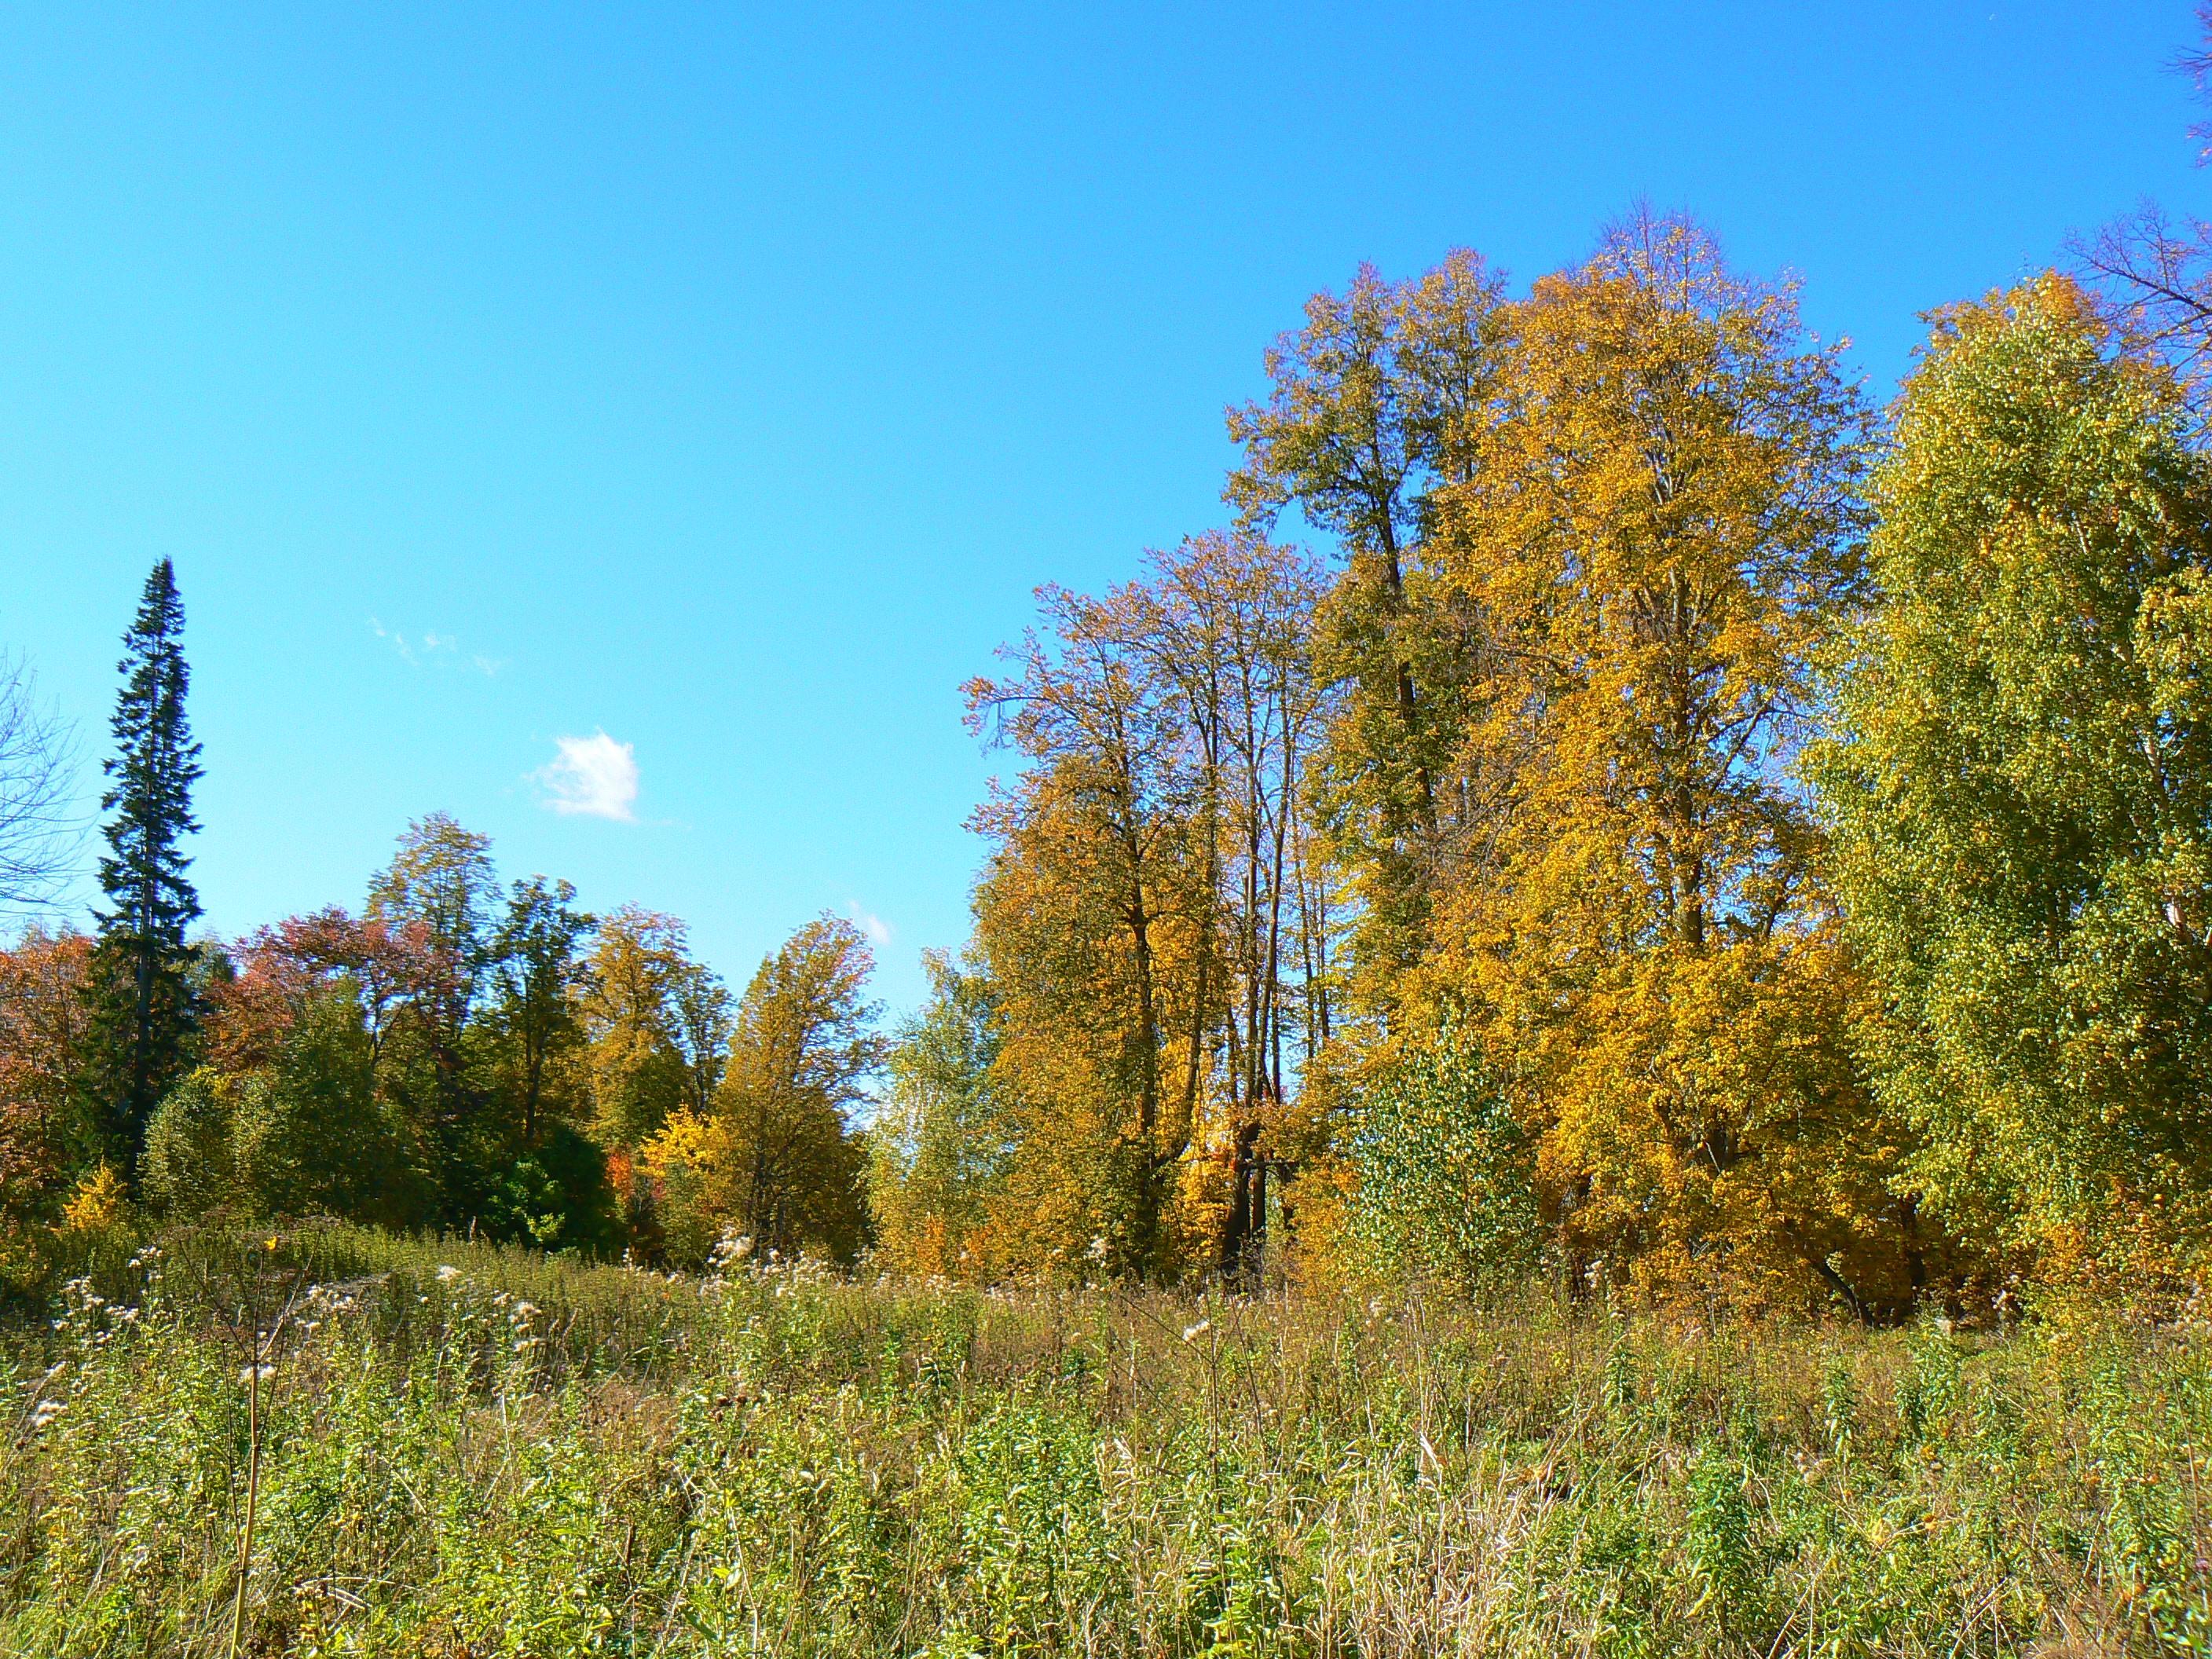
<point>441,1449</point>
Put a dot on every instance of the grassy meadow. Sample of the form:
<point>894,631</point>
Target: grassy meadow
<point>340,1443</point>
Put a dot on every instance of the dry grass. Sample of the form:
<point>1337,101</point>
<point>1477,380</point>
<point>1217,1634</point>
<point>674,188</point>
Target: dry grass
<point>531,1457</point>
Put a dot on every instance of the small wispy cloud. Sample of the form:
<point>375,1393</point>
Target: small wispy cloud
<point>418,649</point>
<point>591,777</point>
<point>869,922</point>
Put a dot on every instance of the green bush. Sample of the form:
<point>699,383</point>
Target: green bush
<point>1446,1177</point>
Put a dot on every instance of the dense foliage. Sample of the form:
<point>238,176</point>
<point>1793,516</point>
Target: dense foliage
<point>2021,785</point>
<point>1700,842</point>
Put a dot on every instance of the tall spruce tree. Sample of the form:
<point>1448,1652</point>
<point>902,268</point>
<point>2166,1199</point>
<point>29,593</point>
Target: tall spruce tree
<point>145,1003</point>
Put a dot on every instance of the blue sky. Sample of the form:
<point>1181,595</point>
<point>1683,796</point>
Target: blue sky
<point>723,379</point>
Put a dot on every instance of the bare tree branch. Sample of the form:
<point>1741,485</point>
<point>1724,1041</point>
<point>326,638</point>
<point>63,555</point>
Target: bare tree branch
<point>40,828</point>
<point>2157,276</point>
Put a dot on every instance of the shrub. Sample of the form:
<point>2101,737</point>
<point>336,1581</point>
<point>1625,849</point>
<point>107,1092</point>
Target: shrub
<point>1446,1174</point>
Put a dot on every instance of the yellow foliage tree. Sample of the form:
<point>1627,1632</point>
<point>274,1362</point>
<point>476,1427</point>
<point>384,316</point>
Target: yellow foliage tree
<point>1153,935</point>
<point>1376,405</point>
<point>1658,532</point>
<point>638,1073</point>
<point>776,1157</point>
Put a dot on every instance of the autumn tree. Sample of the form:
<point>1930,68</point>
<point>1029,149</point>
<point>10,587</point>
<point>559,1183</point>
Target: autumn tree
<point>44,1026</point>
<point>1147,927</point>
<point>1091,921</point>
<point>2020,784</point>
<point>387,963</point>
<point>1225,620</point>
<point>1374,407</point>
<point>657,1023</point>
<point>1659,533</point>
<point>779,1158</point>
<point>145,1003</point>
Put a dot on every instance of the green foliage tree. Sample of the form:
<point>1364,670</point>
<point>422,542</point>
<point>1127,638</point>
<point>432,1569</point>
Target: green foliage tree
<point>438,894</point>
<point>554,1193</point>
<point>943,1141</point>
<point>441,882</point>
<point>304,1135</point>
<point>190,1164</point>
<point>317,1138</point>
<point>1447,1174</point>
<point>537,976</point>
<point>146,1010</point>
<point>2020,784</point>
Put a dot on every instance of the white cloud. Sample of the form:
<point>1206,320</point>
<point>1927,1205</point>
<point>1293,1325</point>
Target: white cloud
<point>869,922</point>
<point>595,776</point>
<point>397,641</point>
<point>430,647</point>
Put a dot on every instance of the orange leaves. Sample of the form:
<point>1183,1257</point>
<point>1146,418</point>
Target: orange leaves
<point>44,1020</point>
<point>1659,532</point>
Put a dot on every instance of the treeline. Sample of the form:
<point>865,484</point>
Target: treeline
<point>457,1054</point>
<point>1699,835</point>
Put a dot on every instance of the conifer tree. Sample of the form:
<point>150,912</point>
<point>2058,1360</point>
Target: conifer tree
<point>145,1006</point>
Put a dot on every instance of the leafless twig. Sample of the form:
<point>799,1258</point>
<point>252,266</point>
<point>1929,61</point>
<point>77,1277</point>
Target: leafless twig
<point>39,831</point>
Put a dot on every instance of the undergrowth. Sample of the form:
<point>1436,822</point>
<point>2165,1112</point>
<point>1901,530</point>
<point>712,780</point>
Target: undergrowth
<point>451,1450</point>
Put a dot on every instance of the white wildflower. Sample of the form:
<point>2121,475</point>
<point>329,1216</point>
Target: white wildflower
<point>1192,1333</point>
<point>248,1375</point>
<point>447,1275</point>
